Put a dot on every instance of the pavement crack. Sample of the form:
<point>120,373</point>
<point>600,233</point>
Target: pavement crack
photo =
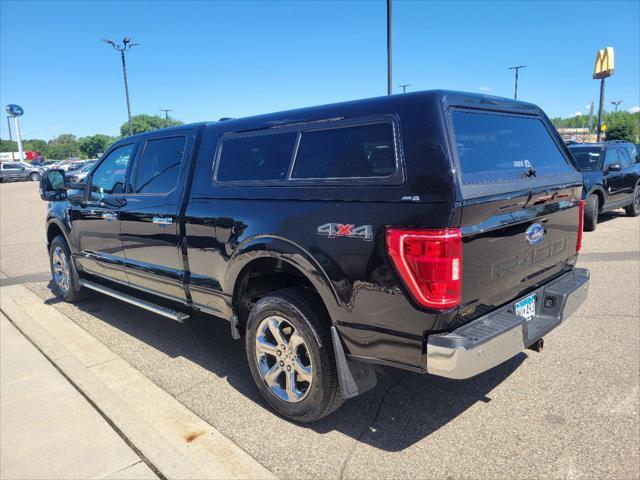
<point>370,424</point>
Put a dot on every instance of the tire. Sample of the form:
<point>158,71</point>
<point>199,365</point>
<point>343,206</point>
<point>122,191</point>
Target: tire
<point>298,316</point>
<point>591,213</point>
<point>34,177</point>
<point>65,286</point>
<point>633,210</point>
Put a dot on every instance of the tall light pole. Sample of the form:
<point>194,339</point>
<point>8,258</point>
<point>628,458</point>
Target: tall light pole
<point>517,69</point>
<point>125,47</point>
<point>615,103</point>
<point>404,87</point>
<point>389,63</point>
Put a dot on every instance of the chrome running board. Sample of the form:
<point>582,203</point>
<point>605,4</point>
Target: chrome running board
<point>147,305</point>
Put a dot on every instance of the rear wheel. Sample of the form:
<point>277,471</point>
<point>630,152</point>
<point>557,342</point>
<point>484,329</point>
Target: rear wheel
<point>64,283</point>
<point>35,176</point>
<point>633,210</point>
<point>290,354</point>
<point>591,213</point>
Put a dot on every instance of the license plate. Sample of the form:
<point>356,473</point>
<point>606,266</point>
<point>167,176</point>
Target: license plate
<point>526,307</point>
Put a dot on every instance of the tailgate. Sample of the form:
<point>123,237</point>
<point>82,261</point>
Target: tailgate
<point>512,246</point>
<point>520,214</point>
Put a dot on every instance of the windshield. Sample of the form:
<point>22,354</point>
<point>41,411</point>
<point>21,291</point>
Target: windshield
<point>588,159</point>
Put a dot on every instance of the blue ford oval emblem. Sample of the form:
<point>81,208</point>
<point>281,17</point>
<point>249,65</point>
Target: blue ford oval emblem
<point>534,233</point>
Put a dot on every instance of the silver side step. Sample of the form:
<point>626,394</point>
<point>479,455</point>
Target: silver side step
<point>147,305</point>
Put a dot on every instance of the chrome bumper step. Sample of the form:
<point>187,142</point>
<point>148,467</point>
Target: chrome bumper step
<point>138,302</point>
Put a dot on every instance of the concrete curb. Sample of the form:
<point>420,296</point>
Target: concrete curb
<point>170,438</point>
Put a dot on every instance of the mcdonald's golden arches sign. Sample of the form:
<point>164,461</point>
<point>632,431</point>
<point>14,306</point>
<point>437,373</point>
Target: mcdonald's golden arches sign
<point>604,63</point>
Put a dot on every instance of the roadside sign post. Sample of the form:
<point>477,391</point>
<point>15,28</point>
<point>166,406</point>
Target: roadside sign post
<point>13,157</point>
<point>604,68</point>
<point>16,111</point>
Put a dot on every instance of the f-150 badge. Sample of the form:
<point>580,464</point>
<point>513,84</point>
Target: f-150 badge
<point>333,230</point>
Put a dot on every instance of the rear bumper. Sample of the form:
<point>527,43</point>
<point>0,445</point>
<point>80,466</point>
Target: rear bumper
<point>490,340</point>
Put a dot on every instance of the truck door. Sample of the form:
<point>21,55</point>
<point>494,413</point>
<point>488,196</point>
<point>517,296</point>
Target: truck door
<point>150,221</point>
<point>627,157</point>
<point>97,219</point>
<point>613,173</point>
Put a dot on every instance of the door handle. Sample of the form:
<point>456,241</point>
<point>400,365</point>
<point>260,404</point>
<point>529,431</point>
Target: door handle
<point>109,216</point>
<point>162,220</point>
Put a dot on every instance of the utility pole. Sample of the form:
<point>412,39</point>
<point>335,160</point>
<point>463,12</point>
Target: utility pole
<point>389,53</point>
<point>166,112</point>
<point>404,87</point>
<point>517,69</point>
<point>125,47</point>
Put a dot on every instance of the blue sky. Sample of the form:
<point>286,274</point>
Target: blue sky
<point>205,60</point>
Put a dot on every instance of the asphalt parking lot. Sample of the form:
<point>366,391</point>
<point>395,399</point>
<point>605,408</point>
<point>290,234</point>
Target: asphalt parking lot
<point>569,412</point>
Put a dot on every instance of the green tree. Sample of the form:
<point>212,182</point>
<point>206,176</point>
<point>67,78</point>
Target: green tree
<point>146,123</point>
<point>36,145</point>
<point>62,151</point>
<point>8,146</point>
<point>65,138</point>
<point>622,128</point>
<point>92,145</point>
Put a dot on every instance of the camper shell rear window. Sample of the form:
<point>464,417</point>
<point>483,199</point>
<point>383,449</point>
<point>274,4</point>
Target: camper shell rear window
<point>499,147</point>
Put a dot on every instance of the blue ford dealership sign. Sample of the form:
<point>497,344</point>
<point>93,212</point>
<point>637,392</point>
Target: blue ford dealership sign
<point>14,110</point>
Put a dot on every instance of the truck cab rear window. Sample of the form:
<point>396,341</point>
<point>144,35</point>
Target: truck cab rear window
<point>501,147</point>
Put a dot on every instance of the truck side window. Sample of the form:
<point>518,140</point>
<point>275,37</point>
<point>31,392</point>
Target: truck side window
<point>257,157</point>
<point>361,151</point>
<point>625,158</point>
<point>109,176</point>
<point>159,166</point>
<point>611,157</point>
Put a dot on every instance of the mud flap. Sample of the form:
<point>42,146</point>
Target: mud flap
<point>354,377</point>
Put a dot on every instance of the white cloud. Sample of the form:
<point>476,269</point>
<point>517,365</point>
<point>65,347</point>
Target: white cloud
<point>634,110</point>
<point>577,114</point>
<point>587,107</point>
<point>484,88</point>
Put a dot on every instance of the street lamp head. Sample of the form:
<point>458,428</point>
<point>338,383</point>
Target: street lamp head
<point>110,42</point>
<point>126,40</point>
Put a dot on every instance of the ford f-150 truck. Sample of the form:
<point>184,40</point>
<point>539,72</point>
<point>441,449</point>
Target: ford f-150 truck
<point>434,231</point>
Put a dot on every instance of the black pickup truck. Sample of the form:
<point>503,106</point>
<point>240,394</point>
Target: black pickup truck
<point>434,231</point>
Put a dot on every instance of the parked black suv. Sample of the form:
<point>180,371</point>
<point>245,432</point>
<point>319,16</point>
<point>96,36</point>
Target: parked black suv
<point>434,231</point>
<point>611,173</point>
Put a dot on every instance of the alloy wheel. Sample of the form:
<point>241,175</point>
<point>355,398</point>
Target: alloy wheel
<point>283,359</point>
<point>60,267</point>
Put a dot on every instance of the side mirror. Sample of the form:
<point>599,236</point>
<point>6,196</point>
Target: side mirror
<point>52,186</point>
<point>614,167</point>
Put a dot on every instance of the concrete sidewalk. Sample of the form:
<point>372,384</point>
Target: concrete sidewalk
<point>48,429</point>
<point>172,440</point>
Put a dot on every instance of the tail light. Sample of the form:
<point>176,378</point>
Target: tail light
<point>429,263</point>
<point>580,225</point>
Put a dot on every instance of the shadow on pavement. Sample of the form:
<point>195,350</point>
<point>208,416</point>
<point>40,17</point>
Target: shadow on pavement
<point>612,215</point>
<point>403,409</point>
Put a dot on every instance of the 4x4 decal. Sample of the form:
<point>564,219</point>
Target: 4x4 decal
<point>333,230</point>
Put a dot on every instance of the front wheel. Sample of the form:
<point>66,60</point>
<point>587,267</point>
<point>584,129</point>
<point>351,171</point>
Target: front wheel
<point>591,213</point>
<point>290,354</point>
<point>35,177</point>
<point>64,283</point>
<point>633,210</point>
